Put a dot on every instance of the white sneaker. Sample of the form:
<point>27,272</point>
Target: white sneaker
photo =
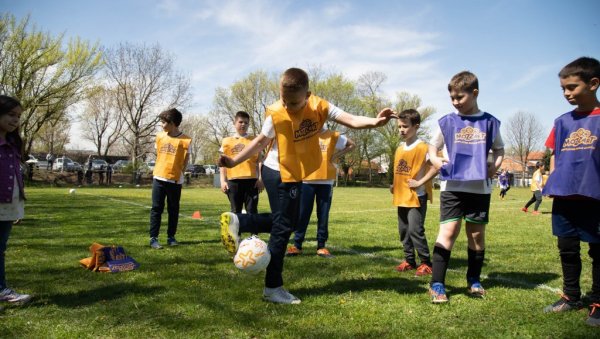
<point>279,295</point>
<point>13,297</point>
<point>230,232</point>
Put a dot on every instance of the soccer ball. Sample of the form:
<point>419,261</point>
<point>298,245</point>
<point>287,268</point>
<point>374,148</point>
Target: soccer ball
<point>252,256</point>
<point>72,191</point>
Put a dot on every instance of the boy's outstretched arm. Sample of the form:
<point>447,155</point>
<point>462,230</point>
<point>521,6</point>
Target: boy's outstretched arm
<point>358,122</point>
<point>258,144</point>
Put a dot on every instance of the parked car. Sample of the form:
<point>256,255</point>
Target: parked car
<point>195,170</point>
<point>33,160</point>
<point>210,169</point>
<point>150,165</point>
<point>63,164</point>
<point>77,166</point>
<point>119,165</point>
<point>97,165</point>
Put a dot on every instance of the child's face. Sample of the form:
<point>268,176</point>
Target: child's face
<point>168,126</point>
<point>11,120</point>
<point>241,125</point>
<point>293,101</point>
<point>406,129</point>
<point>465,102</point>
<point>577,91</point>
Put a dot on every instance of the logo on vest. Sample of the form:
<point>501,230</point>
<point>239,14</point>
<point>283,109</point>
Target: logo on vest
<point>307,128</point>
<point>579,140</point>
<point>168,149</point>
<point>403,168</point>
<point>237,148</point>
<point>470,135</point>
<point>323,147</point>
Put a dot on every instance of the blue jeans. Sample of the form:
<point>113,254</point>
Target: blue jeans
<point>323,194</point>
<point>284,198</point>
<point>160,190</point>
<point>5,227</point>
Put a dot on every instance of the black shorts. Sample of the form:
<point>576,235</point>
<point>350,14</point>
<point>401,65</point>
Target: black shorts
<point>473,207</point>
<point>576,218</point>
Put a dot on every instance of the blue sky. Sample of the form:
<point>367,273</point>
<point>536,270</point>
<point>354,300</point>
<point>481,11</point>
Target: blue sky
<point>516,47</point>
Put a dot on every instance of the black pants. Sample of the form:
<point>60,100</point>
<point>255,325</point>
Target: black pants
<point>537,198</point>
<point>160,191</point>
<point>569,249</point>
<point>242,192</point>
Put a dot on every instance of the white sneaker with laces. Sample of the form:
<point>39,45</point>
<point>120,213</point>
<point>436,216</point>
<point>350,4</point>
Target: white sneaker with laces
<point>13,297</point>
<point>230,232</point>
<point>279,295</point>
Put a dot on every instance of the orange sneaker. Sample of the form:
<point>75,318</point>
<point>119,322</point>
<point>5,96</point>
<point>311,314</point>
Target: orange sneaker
<point>404,266</point>
<point>323,252</point>
<point>535,213</point>
<point>293,251</point>
<point>524,209</point>
<point>423,270</point>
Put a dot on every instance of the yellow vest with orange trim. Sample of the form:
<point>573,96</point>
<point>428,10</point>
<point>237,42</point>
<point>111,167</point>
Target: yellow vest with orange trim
<point>298,137</point>
<point>327,141</point>
<point>170,155</point>
<point>407,165</point>
<point>247,169</point>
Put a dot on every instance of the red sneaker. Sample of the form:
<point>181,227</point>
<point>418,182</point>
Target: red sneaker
<point>423,270</point>
<point>524,209</point>
<point>293,251</point>
<point>404,266</point>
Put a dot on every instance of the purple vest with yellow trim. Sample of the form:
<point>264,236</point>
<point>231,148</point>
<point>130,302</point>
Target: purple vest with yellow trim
<point>576,157</point>
<point>468,141</point>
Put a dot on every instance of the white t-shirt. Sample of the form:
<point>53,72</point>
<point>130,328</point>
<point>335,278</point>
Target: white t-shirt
<point>268,130</point>
<point>473,186</point>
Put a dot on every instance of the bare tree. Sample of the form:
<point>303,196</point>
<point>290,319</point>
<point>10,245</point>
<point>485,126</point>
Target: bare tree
<point>146,83</point>
<point>195,127</point>
<point>44,75</point>
<point>524,134</point>
<point>101,120</point>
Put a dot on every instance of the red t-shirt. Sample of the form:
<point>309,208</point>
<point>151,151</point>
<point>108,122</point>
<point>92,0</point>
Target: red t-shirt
<point>550,140</point>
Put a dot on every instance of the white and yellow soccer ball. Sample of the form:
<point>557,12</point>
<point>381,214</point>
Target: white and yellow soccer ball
<point>252,256</point>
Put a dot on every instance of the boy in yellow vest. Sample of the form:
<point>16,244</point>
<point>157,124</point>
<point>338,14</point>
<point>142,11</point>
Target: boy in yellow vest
<point>172,154</point>
<point>411,189</point>
<point>319,186</point>
<point>293,124</point>
<point>242,183</point>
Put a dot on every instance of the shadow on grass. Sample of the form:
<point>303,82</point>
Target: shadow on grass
<point>98,294</point>
<point>399,285</point>
<point>521,280</point>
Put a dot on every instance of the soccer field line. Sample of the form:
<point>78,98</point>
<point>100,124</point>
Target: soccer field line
<point>372,255</point>
<point>495,278</point>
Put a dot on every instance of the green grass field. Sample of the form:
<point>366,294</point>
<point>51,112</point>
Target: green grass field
<point>194,290</point>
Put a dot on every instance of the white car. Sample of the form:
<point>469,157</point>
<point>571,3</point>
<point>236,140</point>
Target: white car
<point>33,160</point>
<point>63,164</point>
<point>210,169</point>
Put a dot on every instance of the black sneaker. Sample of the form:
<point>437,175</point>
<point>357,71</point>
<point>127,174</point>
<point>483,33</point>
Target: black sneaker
<point>172,242</point>
<point>564,304</point>
<point>594,316</point>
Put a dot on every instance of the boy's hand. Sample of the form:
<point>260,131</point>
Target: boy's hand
<point>392,189</point>
<point>225,161</point>
<point>491,170</point>
<point>260,186</point>
<point>412,183</point>
<point>384,116</point>
<point>224,187</point>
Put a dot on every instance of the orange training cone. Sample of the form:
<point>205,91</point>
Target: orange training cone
<point>196,215</point>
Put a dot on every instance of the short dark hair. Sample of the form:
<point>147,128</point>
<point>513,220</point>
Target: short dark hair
<point>171,115</point>
<point>586,68</point>
<point>464,81</point>
<point>294,79</point>
<point>412,115</point>
<point>242,114</point>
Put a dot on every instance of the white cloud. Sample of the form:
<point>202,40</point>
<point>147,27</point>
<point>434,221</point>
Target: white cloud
<point>530,76</point>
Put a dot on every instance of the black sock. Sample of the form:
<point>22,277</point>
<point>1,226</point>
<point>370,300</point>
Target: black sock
<point>570,260</point>
<point>475,262</point>
<point>441,258</point>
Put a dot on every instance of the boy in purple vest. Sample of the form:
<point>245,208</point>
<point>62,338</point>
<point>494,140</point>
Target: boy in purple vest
<point>466,137</point>
<point>574,183</point>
